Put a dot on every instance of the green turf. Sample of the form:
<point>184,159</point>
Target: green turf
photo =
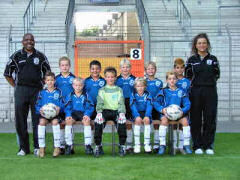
<point>224,165</point>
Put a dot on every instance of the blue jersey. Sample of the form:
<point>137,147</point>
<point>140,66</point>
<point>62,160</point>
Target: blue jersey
<point>91,87</point>
<point>154,86</point>
<point>178,97</point>
<point>141,103</point>
<point>45,97</point>
<point>159,101</point>
<point>127,85</point>
<point>65,84</point>
<point>81,103</point>
<point>185,84</point>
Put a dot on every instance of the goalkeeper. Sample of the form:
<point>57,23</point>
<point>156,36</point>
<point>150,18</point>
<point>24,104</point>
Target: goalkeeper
<point>110,107</point>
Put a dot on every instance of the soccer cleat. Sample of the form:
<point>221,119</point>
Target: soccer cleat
<point>147,148</point>
<point>88,149</point>
<point>209,152</point>
<point>101,150</point>
<point>161,150</point>
<point>41,152</point>
<point>36,152</point>
<point>137,149</point>
<point>198,151</point>
<point>155,148</point>
<point>181,150</point>
<point>68,150</point>
<point>56,152</point>
<point>122,151</point>
<point>62,151</point>
<point>129,149</point>
<point>97,151</point>
<point>187,149</point>
<point>21,153</point>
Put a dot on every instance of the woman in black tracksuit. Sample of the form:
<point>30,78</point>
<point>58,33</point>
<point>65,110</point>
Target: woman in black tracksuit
<point>202,69</point>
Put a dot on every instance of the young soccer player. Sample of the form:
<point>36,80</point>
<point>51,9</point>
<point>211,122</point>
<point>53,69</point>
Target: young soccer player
<point>64,83</point>
<point>79,107</point>
<point>154,85</point>
<point>174,95</point>
<point>110,106</point>
<point>49,95</point>
<point>126,81</point>
<point>141,106</point>
<point>184,83</point>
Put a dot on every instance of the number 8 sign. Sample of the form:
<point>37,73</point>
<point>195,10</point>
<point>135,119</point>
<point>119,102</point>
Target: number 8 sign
<point>135,54</point>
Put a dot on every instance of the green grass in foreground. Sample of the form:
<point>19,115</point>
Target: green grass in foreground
<point>224,165</point>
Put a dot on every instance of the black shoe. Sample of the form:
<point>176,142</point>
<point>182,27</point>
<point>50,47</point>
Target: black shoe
<point>88,150</point>
<point>97,151</point>
<point>101,150</point>
<point>129,151</point>
<point>122,150</point>
<point>72,150</point>
<point>68,150</point>
<point>62,151</point>
<point>155,151</point>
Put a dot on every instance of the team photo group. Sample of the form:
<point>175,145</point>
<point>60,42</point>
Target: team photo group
<point>187,96</point>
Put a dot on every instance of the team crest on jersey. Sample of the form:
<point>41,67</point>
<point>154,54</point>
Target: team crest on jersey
<point>101,83</point>
<point>180,93</point>
<point>131,82</point>
<point>158,83</point>
<point>71,80</point>
<point>56,96</point>
<point>36,61</point>
<point>184,85</point>
<point>209,62</point>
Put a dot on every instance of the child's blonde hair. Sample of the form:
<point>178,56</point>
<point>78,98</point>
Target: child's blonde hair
<point>140,80</point>
<point>64,58</point>
<point>179,62</point>
<point>78,79</point>
<point>150,63</point>
<point>125,61</point>
<point>170,73</point>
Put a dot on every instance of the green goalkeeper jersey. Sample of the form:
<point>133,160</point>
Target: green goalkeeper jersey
<point>110,97</point>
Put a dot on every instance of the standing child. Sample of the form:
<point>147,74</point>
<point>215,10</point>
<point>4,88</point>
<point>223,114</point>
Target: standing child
<point>110,106</point>
<point>154,85</point>
<point>79,107</point>
<point>49,95</point>
<point>174,95</point>
<point>141,106</point>
<point>64,83</point>
<point>126,81</point>
<point>184,83</point>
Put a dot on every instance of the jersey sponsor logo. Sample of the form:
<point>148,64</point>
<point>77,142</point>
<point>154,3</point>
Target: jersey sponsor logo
<point>184,85</point>
<point>158,83</point>
<point>36,61</point>
<point>101,83</point>
<point>209,62</point>
<point>131,82</point>
<point>55,95</point>
<point>180,93</point>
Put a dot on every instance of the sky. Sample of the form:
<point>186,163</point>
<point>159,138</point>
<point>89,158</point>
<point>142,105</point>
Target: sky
<point>85,20</point>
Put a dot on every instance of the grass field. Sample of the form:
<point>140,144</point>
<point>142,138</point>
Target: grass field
<point>224,165</point>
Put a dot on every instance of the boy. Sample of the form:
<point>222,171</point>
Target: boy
<point>141,106</point>
<point>174,95</point>
<point>154,85</point>
<point>49,95</point>
<point>110,106</point>
<point>126,81</point>
<point>64,83</point>
<point>184,83</point>
<point>79,107</point>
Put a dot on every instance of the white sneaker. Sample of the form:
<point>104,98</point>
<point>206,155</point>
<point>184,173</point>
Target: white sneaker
<point>36,152</point>
<point>198,151</point>
<point>21,153</point>
<point>137,149</point>
<point>147,148</point>
<point>209,152</point>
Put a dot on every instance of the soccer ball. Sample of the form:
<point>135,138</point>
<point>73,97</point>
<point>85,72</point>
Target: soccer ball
<point>49,111</point>
<point>174,112</point>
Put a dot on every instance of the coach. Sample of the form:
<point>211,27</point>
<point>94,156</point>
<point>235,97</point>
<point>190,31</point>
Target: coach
<point>203,71</point>
<point>25,71</point>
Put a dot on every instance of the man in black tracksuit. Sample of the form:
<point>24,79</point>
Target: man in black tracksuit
<point>204,73</point>
<point>29,67</point>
